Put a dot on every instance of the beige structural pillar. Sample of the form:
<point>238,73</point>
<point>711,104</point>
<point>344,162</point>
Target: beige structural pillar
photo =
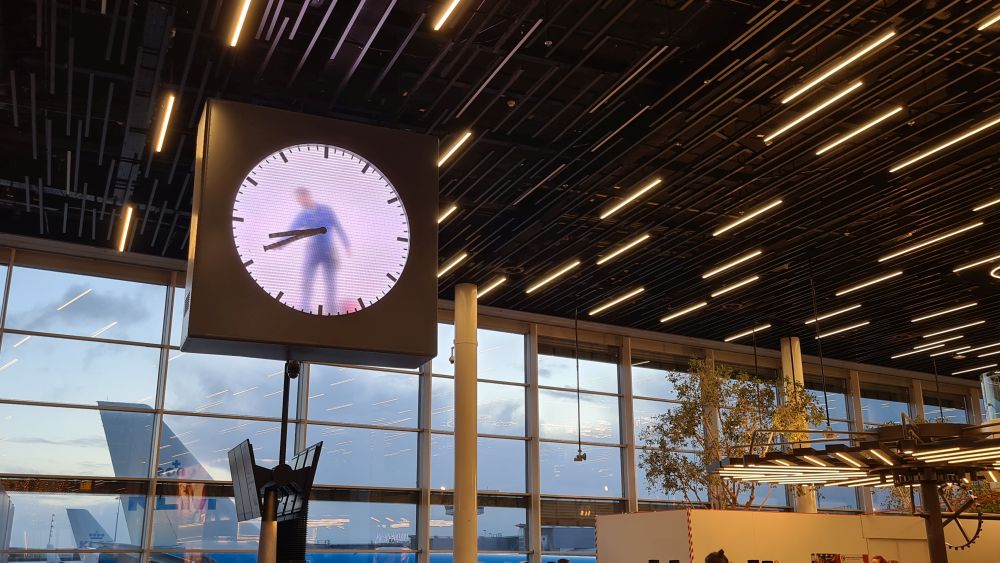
<point>466,524</point>
<point>803,498</point>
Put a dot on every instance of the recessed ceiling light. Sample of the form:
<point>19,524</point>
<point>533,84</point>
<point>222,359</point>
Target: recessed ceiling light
<point>630,198</point>
<point>684,311</point>
<point>735,285</point>
<point>834,313</point>
<point>447,213</point>
<point>869,282</point>
<point>734,262</point>
<point>747,217</point>
<point>952,329</point>
<point>927,345</point>
<point>930,241</point>
<point>452,262</point>
<point>973,369</point>
<point>976,263</point>
<point>623,248</point>
<point>813,111</point>
<point>937,148</point>
<point>859,130</point>
<point>854,56</point>
<point>126,225</point>
<point>615,301</point>
<point>747,332</point>
<point>943,312</point>
<point>445,14</point>
<point>490,286</point>
<point>912,352</point>
<point>842,329</point>
<point>553,276</point>
<point>454,147</point>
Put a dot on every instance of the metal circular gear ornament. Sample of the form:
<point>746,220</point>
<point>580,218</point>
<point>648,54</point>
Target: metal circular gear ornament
<point>969,507</point>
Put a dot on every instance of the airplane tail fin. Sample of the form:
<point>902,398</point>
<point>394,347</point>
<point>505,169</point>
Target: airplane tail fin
<point>87,532</point>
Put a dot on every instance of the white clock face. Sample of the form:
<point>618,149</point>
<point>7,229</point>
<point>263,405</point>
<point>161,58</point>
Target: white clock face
<point>321,229</point>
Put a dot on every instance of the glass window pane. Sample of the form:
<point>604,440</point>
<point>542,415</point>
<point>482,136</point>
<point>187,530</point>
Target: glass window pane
<point>225,384</point>
<point>195,447</point>
<point>62,303</point>
<point>78,521</point>
<point>836,395</point>
<point>363,525</point>
<point>568,525</point>
<point>649,377</point>
<point>883,404</point>
<point>500,356</point>
<point>62,441</point>
<point>58,370</point>
<point>598,476</point>
<point>190,518</point>
<point>363,396</point>
<point>598,416</point>
<point>837,498</point>
<point>646,414</point>
<point>649,490</point>
<point>945,407</point>
<point>500,409</point>
<point>365,457</point>
<point>501,528</point>
<point>446,339</point>
<point>501,466</point>
<point>560,371</point>
<point>442,403</point>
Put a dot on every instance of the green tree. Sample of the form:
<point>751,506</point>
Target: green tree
<point>719,411</point>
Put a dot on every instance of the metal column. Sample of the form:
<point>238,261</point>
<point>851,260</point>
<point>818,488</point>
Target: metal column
<point>466,519</point>
<point>803,497</point>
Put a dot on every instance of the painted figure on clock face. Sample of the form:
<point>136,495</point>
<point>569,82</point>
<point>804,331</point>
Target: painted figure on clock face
<point>321,254</point>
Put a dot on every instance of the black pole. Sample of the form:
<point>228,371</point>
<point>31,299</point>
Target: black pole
<point>291,372</point>
<point>937,549</point>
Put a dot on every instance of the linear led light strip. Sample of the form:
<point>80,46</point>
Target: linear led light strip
<point>946,144</point>
<point>926,345</point>
<point>951,351</point>
<point>842,329</point>
<point>813,111</point>
<point>446,14</point>
<point>452,262</point>
<point>861,129</point>
<point>238,26</point>
<point>920,351</point>
<point>988,366</point>
<point>747,332</point>
<point>447,213</point>
<point>869,282</point>
<point>553,276</point>
<point>747,217</point>
<point>684,311</point>
<point>987,354</point>
<point>126,224</point>
<point>735,285</point>
<point>943,312</point>
<point>621,298</point>
<point>490,286</point>
<point>164,122</point>
<point>630,198</point>
<point>732,263</point>
<point>952,329</point>
<point>976,263</point>
<point>834,313</point>
<point>958,454</point>
<point>840,66</point>
<point>989,203</point>
<point>453,148</point>
<point>930,241</point>
<point>623,248</point>
<point>989,21</point>
<point>983,347</point>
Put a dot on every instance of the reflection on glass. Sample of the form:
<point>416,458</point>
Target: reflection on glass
<point>500,355</point>
<point>649,377</point>
<point>560,371</point>
<point>500,528</point>
<point>836,395</point>
<point>945,407</point>
<point>361,525</point>
<point>500,467</point>
<point>195,447</point>
<point>647,413</point>
<point>598,476</point>
<point>64,441</point>
<point>883,404</point>
<point>58,370</point>
<point>192,519</point>
<point>62,303</point>
<point>766,495</point>
<point>443,403</point>
<point>499,558</point>
<point>598,416</point>
<point>568,525</point>
<point>78,521</point>
<point>837,498</point>
<point>500,407</point>
<point>206,383</point>
<point>365,457</point>
<point>656,492</point>
<point>363,396</point>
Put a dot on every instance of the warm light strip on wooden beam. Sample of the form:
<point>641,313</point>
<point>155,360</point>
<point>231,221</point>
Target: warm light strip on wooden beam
<point>126,225</point>
<point>930,241</point>
<point>616,301</point>
<point>867,283</point>
<point>452,262</point>
<point>684,311</point>
<point>490,286</point>
<point>989,21</point>
<point>813,111</point>
<point>834,313</point>
<point>553,276</point>
<point>920,351</point>
<point>238,26</point>
<point>842,329</point>
<point>164,122</point>
<point>952,329</point>
<point>747,217</point>
<point>860,129</point>
<point>937,148</point>
<point>630,198</point>
<point>454,147</point>
<point>447,213</point>
<point>943,312</point>
<point>747,332</point>
<point>732,263</point>
<point>854,56</point>
<point>735,285</point>
<point>970,370</point>
<point>623,248</point>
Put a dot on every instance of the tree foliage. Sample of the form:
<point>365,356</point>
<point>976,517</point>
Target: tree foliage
<point>718,414</point>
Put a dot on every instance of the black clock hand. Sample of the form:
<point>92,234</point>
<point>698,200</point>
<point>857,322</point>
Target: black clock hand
<point>305,233</point>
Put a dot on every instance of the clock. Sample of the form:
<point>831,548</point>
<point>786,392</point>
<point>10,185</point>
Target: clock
<point>311,239</point>
<point>302,225</point>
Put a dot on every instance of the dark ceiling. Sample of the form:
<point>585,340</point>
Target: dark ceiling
<point>572,105</point>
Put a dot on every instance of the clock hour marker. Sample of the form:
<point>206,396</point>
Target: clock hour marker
<point>283,157</point>
<point>279,295</point>
<point>321,308</point>
<point>393,200</point>
<point>402,239</point>
<point>360,302</point>
<point>365,169</point>
<point>391,277</point>
<point>326,152</point>
<point>251,180</point>
<point>237,219</point>
<point>247,263</point>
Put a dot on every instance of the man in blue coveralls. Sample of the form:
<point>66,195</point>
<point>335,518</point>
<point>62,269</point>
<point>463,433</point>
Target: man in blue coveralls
<point>320,252</point>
